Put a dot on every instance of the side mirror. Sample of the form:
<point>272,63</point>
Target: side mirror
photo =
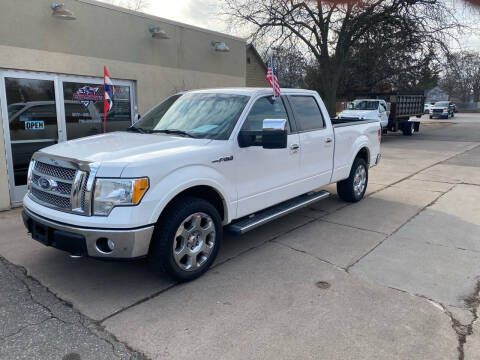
<point>274,134</point>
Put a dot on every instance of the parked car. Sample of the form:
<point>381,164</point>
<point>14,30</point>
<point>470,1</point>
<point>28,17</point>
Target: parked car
<point>366,109</point>
<point>442,109</point>
<point>194,165</point>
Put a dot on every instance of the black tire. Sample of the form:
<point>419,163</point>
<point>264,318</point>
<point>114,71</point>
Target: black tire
<point>345,188</point>
<point>408,129</point>
<point>431,117</point>
<point>161,255</point>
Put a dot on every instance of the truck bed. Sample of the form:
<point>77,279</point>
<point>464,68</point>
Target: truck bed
<point>351,134</point>
<point>349,121</point>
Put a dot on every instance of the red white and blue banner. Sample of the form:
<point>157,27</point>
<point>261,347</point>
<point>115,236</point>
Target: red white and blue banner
<point>272,78</point>
<point>108,97</point>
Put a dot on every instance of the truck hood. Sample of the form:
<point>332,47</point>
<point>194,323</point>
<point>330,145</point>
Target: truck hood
<point>119,146</point>
<point>367,114</point>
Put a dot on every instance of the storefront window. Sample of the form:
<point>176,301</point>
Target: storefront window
<point>84,109</point>
<point>32,118</point>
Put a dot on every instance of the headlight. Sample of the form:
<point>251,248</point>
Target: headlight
<point>117,192</point>
<point>445,110</point>
<point>29,174</point>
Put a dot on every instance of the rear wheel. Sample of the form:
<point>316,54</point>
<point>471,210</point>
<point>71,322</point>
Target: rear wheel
<point>353,189</point>
<point>408,128</point>
<point>186,239</point>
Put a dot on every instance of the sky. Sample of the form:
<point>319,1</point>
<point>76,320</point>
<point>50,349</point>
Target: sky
<point>202,13</point>
<point>205,14</point>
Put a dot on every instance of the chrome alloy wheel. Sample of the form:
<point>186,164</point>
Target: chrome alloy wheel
<point>359,180</point>
<point>194,241</point>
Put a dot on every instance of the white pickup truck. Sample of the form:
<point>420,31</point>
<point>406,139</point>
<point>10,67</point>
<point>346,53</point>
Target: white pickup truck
<point>367,109</point>
<point>198,162</point>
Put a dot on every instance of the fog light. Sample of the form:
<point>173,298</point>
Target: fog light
<point>105,246</point>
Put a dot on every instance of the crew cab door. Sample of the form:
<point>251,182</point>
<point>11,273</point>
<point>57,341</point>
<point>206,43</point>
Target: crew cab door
<point>316,142</point>
<point>266,177</point>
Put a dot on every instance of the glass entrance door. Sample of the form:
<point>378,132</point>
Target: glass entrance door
<point>31,123</point>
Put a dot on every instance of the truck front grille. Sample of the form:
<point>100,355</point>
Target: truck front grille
<point>55,171</point>
<point>59,202</point>
<point>60,187</point>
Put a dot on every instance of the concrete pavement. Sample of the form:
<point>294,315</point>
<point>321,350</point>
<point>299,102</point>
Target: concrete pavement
<point>395,276</point>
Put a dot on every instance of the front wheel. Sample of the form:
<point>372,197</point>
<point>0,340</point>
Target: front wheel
<point>353,189</point>
<point>186,239</point>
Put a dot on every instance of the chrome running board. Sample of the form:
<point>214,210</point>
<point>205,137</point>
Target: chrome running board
<point>251,222</point>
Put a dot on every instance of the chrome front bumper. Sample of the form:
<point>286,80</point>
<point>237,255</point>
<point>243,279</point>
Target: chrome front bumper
<point>129,243</point>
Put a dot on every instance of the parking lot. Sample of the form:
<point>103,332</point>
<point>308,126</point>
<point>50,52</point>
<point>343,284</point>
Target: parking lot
<point>396,276</point>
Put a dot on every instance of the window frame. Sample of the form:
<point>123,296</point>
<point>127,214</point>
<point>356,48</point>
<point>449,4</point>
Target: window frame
<point>297,116</point>
<point>290,117</point>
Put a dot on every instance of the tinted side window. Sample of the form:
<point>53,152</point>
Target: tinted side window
<point>265,108</point>
<point>307,113</point>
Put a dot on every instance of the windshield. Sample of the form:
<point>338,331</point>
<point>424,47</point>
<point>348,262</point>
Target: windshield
<point>363,105</point>
<point>199,115</point>
<point>441,103</point>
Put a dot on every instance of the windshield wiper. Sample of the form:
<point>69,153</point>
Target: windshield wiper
<point>136,129</point>
<point>175,132</point>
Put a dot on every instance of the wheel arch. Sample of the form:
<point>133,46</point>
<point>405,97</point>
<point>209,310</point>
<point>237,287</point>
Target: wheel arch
<point>205,192</point>
<point>202,190</point>
<point>363,153</point>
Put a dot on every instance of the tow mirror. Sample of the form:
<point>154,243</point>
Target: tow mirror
<point>274,134</point>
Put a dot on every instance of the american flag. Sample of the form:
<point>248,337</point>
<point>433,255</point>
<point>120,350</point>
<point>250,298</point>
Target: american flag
<point>272,78</point>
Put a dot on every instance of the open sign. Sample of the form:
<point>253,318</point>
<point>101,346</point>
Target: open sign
<point>34,125</point>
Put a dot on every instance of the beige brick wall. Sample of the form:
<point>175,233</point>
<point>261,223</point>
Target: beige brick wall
<point>255,71</point>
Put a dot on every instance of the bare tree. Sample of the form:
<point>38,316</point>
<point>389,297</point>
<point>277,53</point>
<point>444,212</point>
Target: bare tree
<point>462,76</point>
<point>291,65</point>
<point>328,31</point>
<point>136,5</point>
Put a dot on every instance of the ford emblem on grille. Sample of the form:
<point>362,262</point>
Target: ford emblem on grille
<point>47,184</point>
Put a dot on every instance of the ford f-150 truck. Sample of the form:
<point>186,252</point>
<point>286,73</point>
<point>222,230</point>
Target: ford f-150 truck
<point>198,163</point>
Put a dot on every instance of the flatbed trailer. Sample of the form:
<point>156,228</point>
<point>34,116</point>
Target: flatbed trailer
<point>403,106</point>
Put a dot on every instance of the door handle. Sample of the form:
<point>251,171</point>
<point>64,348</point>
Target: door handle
<point>294,147</point>
<point>328,140</point>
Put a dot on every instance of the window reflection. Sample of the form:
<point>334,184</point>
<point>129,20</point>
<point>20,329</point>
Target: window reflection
<point>84,109</point>
<point>32,119</point>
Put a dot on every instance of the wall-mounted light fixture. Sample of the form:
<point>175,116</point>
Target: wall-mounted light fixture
<point>220,46</point>
<point>60,12</point>
<point>157,33</point>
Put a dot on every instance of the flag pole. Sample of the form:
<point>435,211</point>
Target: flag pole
<point>104,101</point>
<point>271,65</point>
